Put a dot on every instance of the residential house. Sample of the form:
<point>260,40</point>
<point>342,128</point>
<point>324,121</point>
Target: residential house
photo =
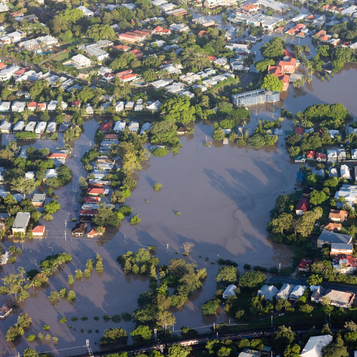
<point>285,291</point>
<point>338,215</point>
<point>52,105</point>
<point>79,230</point>
<point>341,154</point>
<point>297,292</point>
<point>344,264</point>
<point>302,206</point>
<point>86,12</point>
<point>329,237</point>
<point>40,127</point>
<point>4,257</point>
<point>340,298</point>
<point>230,291</point>
<point>331,226</point>
<point>133,126</point>
<point>341,249</point>
<point>268,291</point>
<point>119,126</point>
<point>333,172</point>
<point>80,61</point>
<point>317,294</point>
<point>94,232</point>
<point>137,53</point>
<point>106,127</point>
<point>38,199</point>
<point>20,223</point>
<point>122,48</point>
<point>314,346</point>
<point>5,127</point>
<point>32,106</point>
<point>321,157</point>
<point>332,155</point>
<point>8,72</point>
<point>215,3</point>
<point>310,155</point>
<point>5,311</point>
<point>38,231</point>
<point>304,265</point>
<point>19,126</point>
<point>97,191</point>
<point>345,172</point>
<point>89,109</point>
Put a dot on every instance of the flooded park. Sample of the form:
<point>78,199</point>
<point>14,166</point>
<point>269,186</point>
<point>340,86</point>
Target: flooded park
<point>224,194</point>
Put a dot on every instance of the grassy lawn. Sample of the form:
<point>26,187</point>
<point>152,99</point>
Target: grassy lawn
<point>61,57</point>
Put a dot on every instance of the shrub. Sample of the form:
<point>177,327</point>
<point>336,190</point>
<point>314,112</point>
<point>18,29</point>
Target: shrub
<point>46,327</point>
<point>126,316</point>
<point>12,260</point>
<point>178,213</point>
<point>160,152</point>
<point>116,318</point>
<point>157,187</point>
<point>96,318</point>
<point>31,338</point>
<point>246,266</point>
<point>84,318</point>
<point>135,220</point>
<point>210,307</point>
<point>74,318</point>
<point>63,320</point>
<point>259,268</point>
<point>71,295</point>
<point>125,210</point>
<point>48,217</point>
<point>106,317</point>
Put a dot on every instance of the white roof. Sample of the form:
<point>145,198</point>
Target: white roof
<point>314,346</point>
<point>285,291</point>
<point>297,292</point>
<point>268,291</point>
<point>230,291</point>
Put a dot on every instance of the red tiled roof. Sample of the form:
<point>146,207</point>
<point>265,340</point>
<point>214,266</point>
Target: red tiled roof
<point>32,104</point>
<point>320,155</point>
<point>38,229</point>
<point>299,130</point>
<point>60,155</point>
<point>310,154</point>
<point>303,205</point>
<point>96,190</point>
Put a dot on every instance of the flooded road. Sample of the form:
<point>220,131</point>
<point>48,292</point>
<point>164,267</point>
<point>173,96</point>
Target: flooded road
<point>224,194</point>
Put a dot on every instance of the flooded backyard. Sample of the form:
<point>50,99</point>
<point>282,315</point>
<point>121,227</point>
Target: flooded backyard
<point>224,194</point>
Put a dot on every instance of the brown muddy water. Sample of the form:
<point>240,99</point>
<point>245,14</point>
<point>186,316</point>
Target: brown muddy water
<point>224,194</point>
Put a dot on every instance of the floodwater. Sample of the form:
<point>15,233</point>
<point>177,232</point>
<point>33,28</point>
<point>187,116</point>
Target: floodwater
<point>224,194</point>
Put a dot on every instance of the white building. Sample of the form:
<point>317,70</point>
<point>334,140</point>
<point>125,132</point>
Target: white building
<point>345,172</point>
<point>7,73</point>
<point>19,126</point>
<point>230,291</point>
<point>119,106</point>
<point>285,291</point>
<point>52,105</point>
<point>86,12</point>
<point>314,346</point>
<point>119,126</point>
<point>80,61</point>
<point>40,127</point>
<point>18,107</point>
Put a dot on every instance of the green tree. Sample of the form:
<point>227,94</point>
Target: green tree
<point>177,350</point>
<point>210,307</point>
<point>262,66</point>
<point>251,279</point>
<point>272,83</point>
<point>314,279</point>
<point>23,185</point>
<point>29,352</point>
<point>335,349</point>
<point>143,332</point>
<point>178,110</point>
<point>283,337</point>
<point>317,197</point>
<point>227,274</point>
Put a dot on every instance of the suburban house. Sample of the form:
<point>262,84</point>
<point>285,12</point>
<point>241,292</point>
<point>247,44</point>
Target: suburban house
<point>329,237</point>
<point>5,311</point>
<point>38,231</point>
<point>79,230</point>
<point>345,172</point>
<point>20,223</point>
<point>215,3</point>
<point>331,226</point>
<point>230,291</point>
<point>285,291</point>
<point>341,249</point>
<point>320,156</point>
<point>38,199</point>
<point>302,206</point>
<point>80,61</point>
<point>340,298</point>
<point>297,292</point>
<point>314,346</point>
<point>304,265</point>
<point>338,215</point>
<point>86,12</point>
<point>4,257</point>
<point>268,291</point>
<point>95,232</point>
<point>332,155</point>
<point>344,264</point>
<point>97,191</point>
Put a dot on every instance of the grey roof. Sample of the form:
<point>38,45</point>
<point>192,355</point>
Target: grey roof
<point>38,197</point>
<point>341,246</point>
<point>332,237</point>
<point>21,220</point>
